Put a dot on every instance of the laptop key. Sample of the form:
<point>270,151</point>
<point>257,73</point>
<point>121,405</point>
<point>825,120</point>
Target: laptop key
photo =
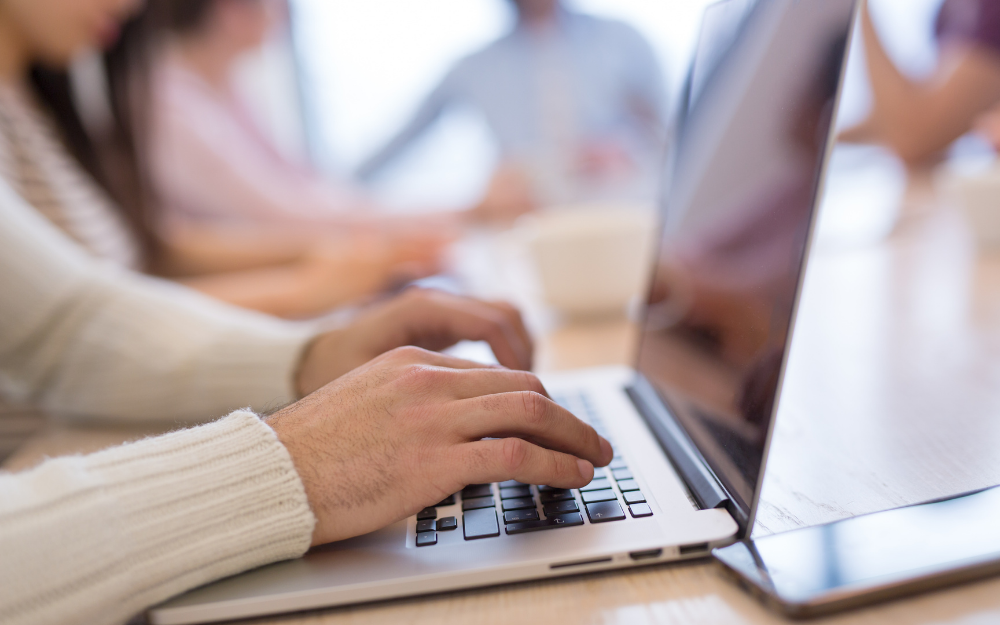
<point>555,495</point>
<point>515,492</point>
<point>634,496</point>
<point>426,539</point>
<point>622,474</point>
<point>617,463</point>
<point>605,511</point>
<point>563,520</point>
<point>518,504</point>
<point>477,503</point>
<point>599,495</point>
<point>511,484</point>
<point>599,483</point>
<point>427,513</point>
<point>447,523</point>
<point>447,501</point>
<point>640,510</point>
<point>426,525</point>
<point>562,507</point>
<point>476,490</point>
<point>627,485</point>
<point>518,516</point>
<point>480,524</point>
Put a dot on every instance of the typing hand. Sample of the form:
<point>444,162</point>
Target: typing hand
<point>405,430</point>
<point>425,318</point>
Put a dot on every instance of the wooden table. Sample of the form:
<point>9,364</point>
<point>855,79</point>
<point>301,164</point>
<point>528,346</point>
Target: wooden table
<point>892,397</point>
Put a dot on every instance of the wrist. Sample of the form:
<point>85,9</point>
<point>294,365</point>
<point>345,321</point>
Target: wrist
<point>322,362</point>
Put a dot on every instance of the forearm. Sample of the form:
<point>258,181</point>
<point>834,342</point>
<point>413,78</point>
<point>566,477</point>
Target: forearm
<point>78,337</point>
<point>193,250</point>
<point>919,119</point>
<point>287,291</point>
<point>95,539</point>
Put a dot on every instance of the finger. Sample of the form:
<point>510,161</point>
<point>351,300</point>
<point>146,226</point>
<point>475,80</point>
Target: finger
<point>503,330</point>
<point>516,321</point>
<point>483,462</point>
<point>469,383</point>
<point>418,355</point>
<point>439,315</point>
<point>533,417</point>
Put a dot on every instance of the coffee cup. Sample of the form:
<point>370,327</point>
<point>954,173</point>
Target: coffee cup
<point>591,260</point>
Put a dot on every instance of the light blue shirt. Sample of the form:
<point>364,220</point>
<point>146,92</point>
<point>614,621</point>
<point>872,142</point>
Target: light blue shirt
<point>583,80</point>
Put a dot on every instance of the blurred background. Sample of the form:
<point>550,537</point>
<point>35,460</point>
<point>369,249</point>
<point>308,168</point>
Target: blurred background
<point>345,77</point>
<point>308,155</point>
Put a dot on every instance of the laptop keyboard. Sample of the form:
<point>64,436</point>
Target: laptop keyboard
<point>511,508</point>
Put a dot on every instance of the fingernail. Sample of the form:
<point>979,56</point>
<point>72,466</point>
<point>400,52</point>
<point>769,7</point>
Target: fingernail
<point>606,450</point>
<point>586,470</point>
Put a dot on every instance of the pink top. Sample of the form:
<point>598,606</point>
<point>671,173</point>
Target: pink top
<point>212,165</point>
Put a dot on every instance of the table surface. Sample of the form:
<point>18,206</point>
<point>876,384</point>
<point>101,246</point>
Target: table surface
<point>890,399</point>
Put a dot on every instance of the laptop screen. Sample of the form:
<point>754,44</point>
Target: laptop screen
<point>737,219</point>
<point>720,24</point>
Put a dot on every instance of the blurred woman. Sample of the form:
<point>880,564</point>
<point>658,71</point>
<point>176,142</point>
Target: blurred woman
<point>93,186</point>
<point>210,161</point>
<point>920,118</point>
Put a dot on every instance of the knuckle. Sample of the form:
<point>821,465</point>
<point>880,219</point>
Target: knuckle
<point>514,453</point>
<point>419,378</point>
<point>531,382</point>
<point>536,408</point>
<point>409,353</point>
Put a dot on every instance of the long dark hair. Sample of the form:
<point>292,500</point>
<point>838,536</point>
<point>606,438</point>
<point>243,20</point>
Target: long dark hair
<point>116,157</point>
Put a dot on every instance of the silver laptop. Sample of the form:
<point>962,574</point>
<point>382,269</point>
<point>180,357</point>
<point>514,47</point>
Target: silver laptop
<point>691,424</point>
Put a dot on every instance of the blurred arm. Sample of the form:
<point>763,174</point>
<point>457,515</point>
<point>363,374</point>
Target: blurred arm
<point>204,161</point>
<point>920,119</point>
<point>648,87</point>
<point>428,112</point>
<point>79,337</point>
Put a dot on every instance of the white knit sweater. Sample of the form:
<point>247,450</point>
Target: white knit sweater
<point>95,539</point>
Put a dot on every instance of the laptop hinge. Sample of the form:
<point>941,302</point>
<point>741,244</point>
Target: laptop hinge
<point>688,462</point>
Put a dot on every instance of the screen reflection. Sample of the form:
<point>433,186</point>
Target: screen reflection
<point>737,222</point>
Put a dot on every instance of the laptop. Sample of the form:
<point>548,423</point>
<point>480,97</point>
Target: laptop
<point>692,421</point>
<point>720,25</point>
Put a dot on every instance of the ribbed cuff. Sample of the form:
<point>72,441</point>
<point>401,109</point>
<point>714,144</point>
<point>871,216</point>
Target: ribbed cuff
<point>98,538</point>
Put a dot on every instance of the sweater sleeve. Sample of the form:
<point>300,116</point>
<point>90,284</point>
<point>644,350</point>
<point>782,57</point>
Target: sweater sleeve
<point>96,539</point>
<point>80,337</point>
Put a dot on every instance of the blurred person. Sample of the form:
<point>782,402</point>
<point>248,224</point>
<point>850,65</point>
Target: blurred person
<point>95,188</point>
<point>210,161</point>
<point>919,119</point>
<point>96,538</point>
<point>575,103</point>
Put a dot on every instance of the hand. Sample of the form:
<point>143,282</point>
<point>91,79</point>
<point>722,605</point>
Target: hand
<point>425,318</point>
<point>989,127</point>
<point>405,430</point>
<point>508,196</point>
<point>340,271</point>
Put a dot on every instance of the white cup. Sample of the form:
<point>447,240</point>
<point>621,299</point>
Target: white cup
<point>592,260</point>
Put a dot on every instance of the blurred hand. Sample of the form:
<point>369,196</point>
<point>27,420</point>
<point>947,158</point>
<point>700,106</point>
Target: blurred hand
<point>604,160</point>
<point>340,271</point>
<point>405,430</point>
<point>508,196</point>
<point>424,318</point>
<point>989,127</point>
